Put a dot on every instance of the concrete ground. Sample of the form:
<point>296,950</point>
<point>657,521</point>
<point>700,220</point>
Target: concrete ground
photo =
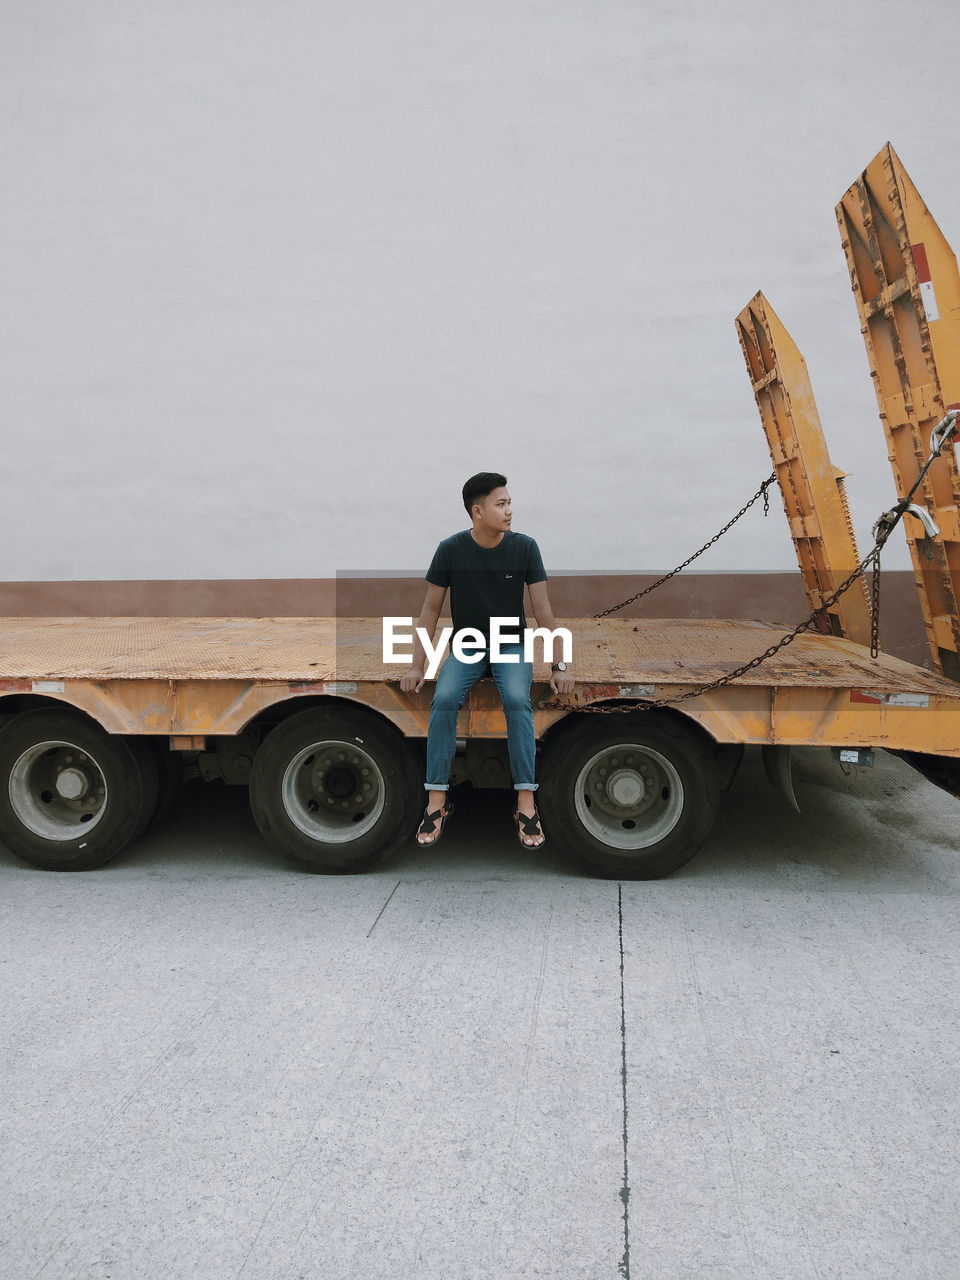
<point>477,1062</point>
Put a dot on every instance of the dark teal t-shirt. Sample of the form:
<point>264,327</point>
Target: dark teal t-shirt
<point>486,582</point>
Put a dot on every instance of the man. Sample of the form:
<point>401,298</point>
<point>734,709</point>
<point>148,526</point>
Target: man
<point>485,568</point>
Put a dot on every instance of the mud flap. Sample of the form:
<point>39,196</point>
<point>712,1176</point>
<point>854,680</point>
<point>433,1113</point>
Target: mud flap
<point>776,763</point>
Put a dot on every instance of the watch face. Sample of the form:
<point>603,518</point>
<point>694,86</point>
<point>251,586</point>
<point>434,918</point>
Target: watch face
<point>559,666</point>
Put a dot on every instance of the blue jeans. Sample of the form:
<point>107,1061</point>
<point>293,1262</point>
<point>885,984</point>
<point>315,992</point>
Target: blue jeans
<point>454,682</point>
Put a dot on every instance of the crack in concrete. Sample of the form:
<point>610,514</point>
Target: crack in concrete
<point>384,907</point>
<point>624,1267</point>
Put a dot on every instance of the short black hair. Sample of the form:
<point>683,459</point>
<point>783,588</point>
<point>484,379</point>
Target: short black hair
<point>478,486</point>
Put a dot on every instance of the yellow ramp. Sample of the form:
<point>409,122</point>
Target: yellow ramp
<point>907,288</point>
<point>812,487</point>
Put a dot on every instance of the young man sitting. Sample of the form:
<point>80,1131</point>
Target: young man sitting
<point>485,569</point>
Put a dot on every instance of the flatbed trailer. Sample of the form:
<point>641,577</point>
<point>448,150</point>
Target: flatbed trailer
<point>305,712</point>
<point>98,714</point>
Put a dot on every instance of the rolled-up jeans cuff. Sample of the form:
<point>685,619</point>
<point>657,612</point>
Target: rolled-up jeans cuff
<point>436,786</point>
<point>525,786</point>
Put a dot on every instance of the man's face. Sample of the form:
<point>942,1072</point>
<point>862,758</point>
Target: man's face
<point>495,510</point>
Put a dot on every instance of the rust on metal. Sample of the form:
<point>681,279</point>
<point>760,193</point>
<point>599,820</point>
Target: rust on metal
<point>907,287</point>
<point>812,487</point>
<point>329,655</point>
<point>198,677</point>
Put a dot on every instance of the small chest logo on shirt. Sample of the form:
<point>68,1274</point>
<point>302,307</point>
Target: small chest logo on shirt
<point>508,575</point>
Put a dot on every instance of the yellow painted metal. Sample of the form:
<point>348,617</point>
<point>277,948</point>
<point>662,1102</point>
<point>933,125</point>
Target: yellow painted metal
<point>812,487</point>
<point>907,287</point>
<point>206,678</point>
<point>199,668</point>
<point>173,648</point>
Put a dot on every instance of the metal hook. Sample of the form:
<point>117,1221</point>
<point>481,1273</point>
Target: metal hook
<point>930,528</point>
<point>942,432</point>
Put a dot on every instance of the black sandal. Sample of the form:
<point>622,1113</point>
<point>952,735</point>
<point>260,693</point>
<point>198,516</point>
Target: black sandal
<point>433,823</point>
<point>531,827</point>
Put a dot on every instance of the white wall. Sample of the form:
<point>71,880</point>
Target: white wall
<point>276,277</point>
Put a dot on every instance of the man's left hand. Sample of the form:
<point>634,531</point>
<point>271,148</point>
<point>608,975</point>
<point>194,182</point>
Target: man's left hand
<point>562,682</point>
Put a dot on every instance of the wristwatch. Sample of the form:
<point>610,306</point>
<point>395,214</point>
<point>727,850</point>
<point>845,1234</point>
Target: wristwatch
<point>559,666</point>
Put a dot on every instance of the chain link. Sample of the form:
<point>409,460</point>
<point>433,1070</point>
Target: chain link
<point>875,604</point>
<point>873,558</point>
<point>887,522</point>
<point>761,493</point>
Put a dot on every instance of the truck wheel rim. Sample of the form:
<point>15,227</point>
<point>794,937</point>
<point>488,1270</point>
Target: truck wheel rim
<point>628,796</point>
<point>333,791</point>
<point>57,791</point>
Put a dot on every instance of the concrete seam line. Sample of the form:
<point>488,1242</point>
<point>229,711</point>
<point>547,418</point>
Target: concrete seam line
<point>383,908</point>
<point>625,1187</point>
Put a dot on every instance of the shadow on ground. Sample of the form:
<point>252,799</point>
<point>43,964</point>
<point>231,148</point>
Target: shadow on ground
<point>866,824</point>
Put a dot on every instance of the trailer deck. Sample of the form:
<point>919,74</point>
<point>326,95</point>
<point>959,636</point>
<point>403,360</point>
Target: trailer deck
<point>200,676</point>
<point>675,651</point>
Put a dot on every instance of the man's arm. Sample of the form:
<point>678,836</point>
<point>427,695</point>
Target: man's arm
<point>560,681</point>
<point>412,681</point>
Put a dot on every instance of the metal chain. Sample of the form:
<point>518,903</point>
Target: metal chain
<point>761,493</point>
<point>887,522</point>
<point>875,604</point>
<point>873,558</point>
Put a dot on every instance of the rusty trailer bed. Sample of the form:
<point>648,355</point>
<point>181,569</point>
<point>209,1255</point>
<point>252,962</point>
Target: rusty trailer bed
<point>198,676</point>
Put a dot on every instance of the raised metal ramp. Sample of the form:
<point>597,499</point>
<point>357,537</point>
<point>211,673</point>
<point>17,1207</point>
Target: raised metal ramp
<point>907,287</point>
<point>812,487</point>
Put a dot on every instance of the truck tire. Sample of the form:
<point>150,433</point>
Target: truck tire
<point>167,765</point>
<point>71,795</point>
<point>631,796</point>
<point>148,764</point>
<point>335,789</point>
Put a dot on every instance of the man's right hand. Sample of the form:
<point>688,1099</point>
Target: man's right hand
<point>412,681</point>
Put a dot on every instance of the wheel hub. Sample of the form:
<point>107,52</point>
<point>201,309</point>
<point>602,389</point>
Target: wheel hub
<point>57,790</point>
<point>340,783</point>
<point>626,788</point>
<point>72,783</point>
<point>333,791</point>
<point>628,796</point>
